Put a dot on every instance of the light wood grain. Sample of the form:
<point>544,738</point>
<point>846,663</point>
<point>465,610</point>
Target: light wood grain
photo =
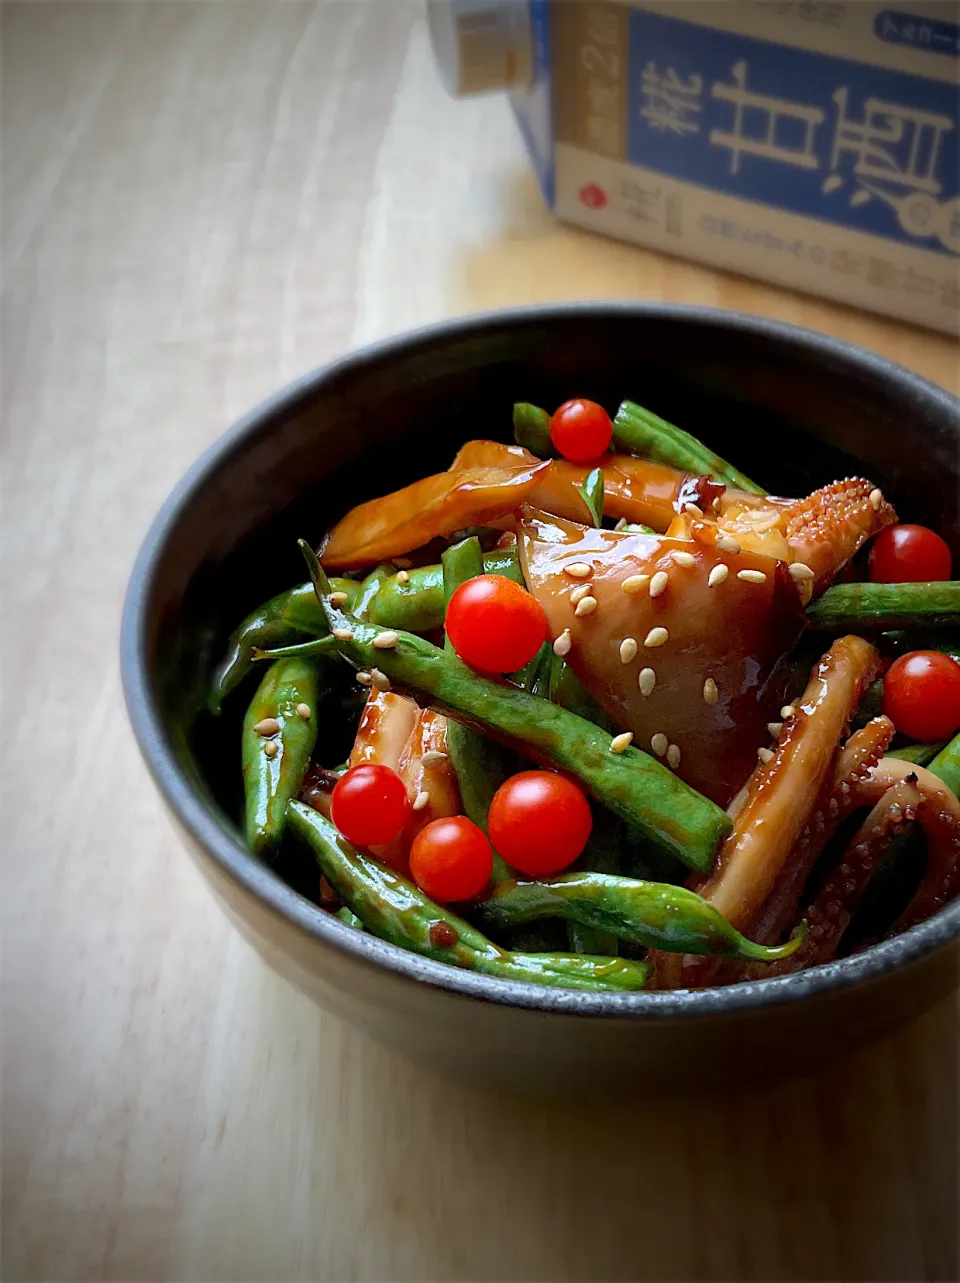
<point>201,201</point>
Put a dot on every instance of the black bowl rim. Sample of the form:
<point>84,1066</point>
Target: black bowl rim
<point>225,848</point>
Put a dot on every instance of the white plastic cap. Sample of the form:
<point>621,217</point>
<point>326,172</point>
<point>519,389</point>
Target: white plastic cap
<point>481,46</point>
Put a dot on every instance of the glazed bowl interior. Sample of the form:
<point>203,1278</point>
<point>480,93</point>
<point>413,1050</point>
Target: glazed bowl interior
<point>794,410</point>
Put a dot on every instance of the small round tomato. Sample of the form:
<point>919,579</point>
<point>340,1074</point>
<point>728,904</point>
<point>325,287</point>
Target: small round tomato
<point>921,695</point>
<point>581,430</point>
<point>494,624</point>
<point>539,822</point>
<point>369,804</point>
<point>451,859</point>
<point>909,555</point>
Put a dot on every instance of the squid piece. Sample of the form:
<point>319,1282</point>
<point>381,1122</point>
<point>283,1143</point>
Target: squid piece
<point>829,915</point>
<point>635,489</point>
<point>839,798</point>
<point>821,532</point>
<point>435,506</point>
<point>938,813</point>
<point>783,791</point>
<point>395,732</point>
<point>679,641</point>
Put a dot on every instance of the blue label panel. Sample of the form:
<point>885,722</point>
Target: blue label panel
<point>863,147</point>
<point>533,109</point>
<point>932,34</point>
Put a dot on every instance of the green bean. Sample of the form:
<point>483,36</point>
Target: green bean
<point>277,743</point>
<point>638,431</point>
<point>531,429</point>
<point>918,754</point>
<point>632,784</point>
<point>886,606</point>
<point>653,914</point>
<point>397,911</point>
<point>601,855</point>
<point>349,917</point>
<point>417,603</point>
<point>946,765</point>
<point>281,621</point>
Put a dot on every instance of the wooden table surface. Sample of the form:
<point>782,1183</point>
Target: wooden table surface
<point>201,201</point>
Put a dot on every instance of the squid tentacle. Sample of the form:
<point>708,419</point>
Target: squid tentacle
<point>829,915</point>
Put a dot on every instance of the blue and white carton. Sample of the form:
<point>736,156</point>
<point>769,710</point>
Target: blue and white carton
<point>811,143</point>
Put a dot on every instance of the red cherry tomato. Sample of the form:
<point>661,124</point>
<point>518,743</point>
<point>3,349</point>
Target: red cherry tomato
<point>908,555</point>
<point>581,430</point>
<point>450,859</point>
<point>369,804</point>
<point>494,624</point>
<point>539,822</point>
<point>921,695</point>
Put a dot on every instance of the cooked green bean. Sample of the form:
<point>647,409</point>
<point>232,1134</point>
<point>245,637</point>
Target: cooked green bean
<point>416,602</point>
<point>946,765</point>
<point>886,606</point>
<point>279,732</point>
<point>654,914</point>
<point>391,907</point>
<point>284,620</point>
<point>638,431</point>
<point>632,784</point>
<point>531,429</point>
<point>918,754</point>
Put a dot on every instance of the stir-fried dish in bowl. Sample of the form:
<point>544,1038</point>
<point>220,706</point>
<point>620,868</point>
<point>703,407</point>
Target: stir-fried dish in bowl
<point>621,720</point>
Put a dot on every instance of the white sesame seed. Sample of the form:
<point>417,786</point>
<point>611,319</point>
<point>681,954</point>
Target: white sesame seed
<point>775,728</point>
<point>765,755</point>
<point>683,558</point>
<point>421,800</point>
<point>693,510</point>
<point>577,570</point>
<point>268,726</point>
<point>343,633</point>
<point>270,748</point>
<point>628,649</point>
<point>646,681</point>
<point>621,524</point>
<point>634,584</point>
<point>710,692</point>
<point>658,583</point>
<point>621,742</point>
<point>586,606</point>
<point>403,576</point>
<point>716,505</point>
<point>727,543</point>
<point>659,743</point>
<point>787,712</point>
<point>563,643</point>
<point>386,640</point>
<point>718,574</point>
<point>303,710</point>
<point>656,637</point>
<point>364,678</point>
<point>876,498</point>
<point>337,598</point>
<point>433,757</point>
<point>379,679</point>
<point>800,570</point>
<point>752,576</point>
<point>581,591</point>
<point>673,756</point>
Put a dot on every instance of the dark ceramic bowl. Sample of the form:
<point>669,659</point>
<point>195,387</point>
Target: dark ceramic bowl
<point>794,408</point>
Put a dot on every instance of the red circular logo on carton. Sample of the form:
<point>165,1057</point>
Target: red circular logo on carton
<point>592,196</point>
